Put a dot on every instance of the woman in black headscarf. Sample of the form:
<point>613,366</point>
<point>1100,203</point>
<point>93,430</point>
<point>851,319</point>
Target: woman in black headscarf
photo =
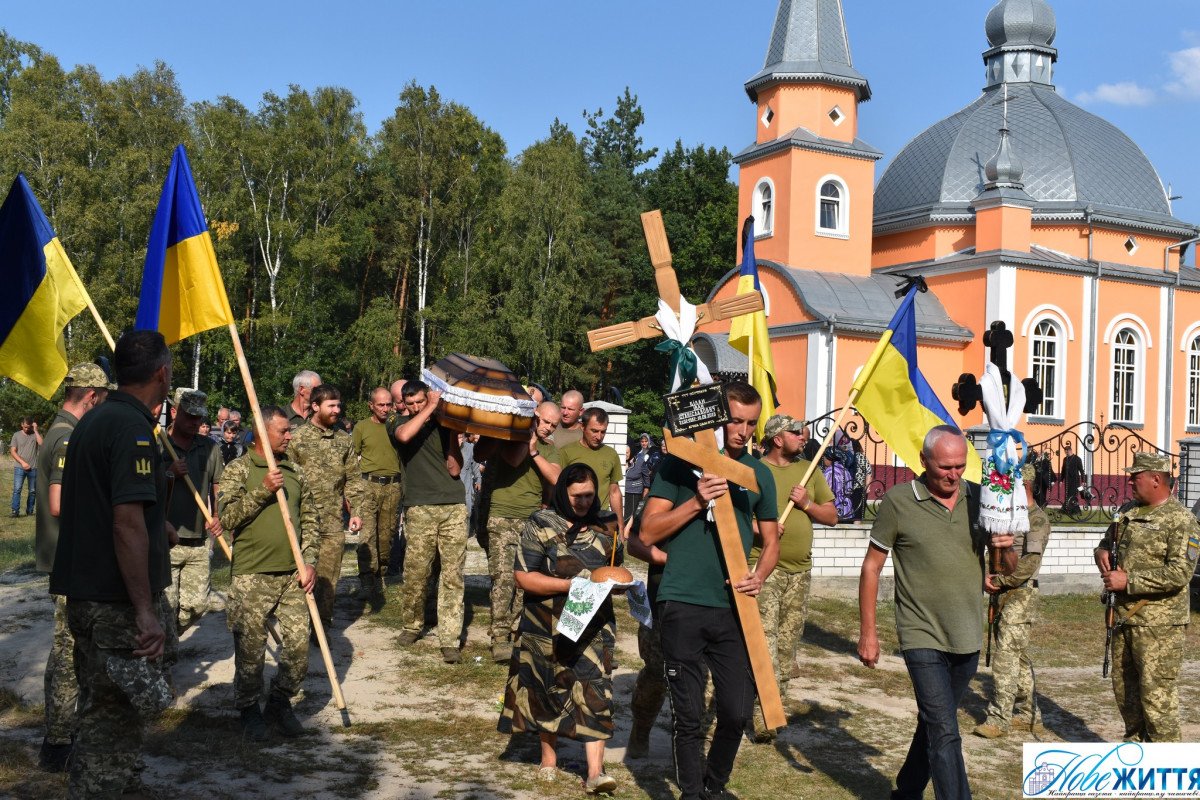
<point>556,686</point>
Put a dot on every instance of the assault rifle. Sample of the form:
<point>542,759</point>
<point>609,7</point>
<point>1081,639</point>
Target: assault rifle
<point>1110,602</point>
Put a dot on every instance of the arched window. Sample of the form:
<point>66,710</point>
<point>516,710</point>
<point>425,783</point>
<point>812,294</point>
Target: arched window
<point>1193,406</point>
<point>764,208</point>
<point>1126,382</point>
<point>1046,366</point>
<point>832,207</point>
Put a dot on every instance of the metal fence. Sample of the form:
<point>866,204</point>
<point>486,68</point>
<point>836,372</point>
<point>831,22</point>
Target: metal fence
<point>1104,450</point>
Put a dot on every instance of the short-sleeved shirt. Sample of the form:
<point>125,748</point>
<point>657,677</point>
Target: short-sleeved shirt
<point>295,420</point>
<point>205,466</point>
<point>376,449</point>
<point>112,460</point>
<point>51,460</point>
<point>695,571</point>
<point>796,538</point>
<point>604,461</point>
<point>251,514</point>
<point>938,558</point>
<point>565,436</point>
<point>517,491</point>
<point>427,482</point>
<point>27,447</point>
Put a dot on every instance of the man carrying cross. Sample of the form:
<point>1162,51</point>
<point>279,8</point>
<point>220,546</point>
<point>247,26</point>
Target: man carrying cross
<point>695,616</point>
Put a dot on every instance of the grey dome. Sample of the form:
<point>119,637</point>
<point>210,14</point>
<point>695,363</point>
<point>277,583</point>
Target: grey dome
<point>1072,159</point>
<point>1021,23</point>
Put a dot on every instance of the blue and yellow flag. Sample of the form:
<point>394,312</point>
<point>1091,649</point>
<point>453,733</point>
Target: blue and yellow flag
<point>892,394</point>
<point>182,290</point>
<point>41,294</point>
<point>748,333</point>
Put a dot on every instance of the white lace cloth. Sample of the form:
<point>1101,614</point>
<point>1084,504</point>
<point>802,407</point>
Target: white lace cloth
<point>501,404</point>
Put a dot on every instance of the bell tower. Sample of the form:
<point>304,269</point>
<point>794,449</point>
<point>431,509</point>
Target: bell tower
<point>808,179</point>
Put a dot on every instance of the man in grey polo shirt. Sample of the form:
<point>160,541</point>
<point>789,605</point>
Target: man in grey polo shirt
<point>931,527</point>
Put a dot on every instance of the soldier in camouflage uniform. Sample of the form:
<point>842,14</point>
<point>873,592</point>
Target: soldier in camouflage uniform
<point>327,457</point>
<point>86,386</point>
<point>265,579</point>
<point>112,564</point>
<point>435,518</point>
<point>783,601</point>
<point>1158,542</point>
<point>520,476</point>
<point>379,464</point>
<point>1012,668</point>
<point>199,459</point>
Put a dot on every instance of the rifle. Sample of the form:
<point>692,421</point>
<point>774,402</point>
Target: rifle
<point>1110,601</point>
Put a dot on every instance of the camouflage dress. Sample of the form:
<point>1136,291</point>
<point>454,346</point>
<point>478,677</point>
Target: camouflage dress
<point>555,685</point>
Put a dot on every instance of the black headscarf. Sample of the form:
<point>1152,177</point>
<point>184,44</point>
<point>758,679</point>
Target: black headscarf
<point>561,504</point>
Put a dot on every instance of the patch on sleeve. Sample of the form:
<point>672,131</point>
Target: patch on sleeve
<point>1193,548</point>
<point>142,441</point>
<point>141,466</point>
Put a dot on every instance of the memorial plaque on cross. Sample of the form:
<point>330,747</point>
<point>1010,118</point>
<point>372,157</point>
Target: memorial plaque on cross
<point>702,451</point>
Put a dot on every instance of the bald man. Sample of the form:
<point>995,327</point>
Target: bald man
<point>379,464</point>
<point>570,429</point>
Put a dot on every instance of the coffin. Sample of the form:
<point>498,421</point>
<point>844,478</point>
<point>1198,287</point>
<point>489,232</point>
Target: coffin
<point>481,395</point>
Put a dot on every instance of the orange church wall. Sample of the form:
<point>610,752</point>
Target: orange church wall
<point>961,295</point>
<point>1064,293</point>
<point>807,105</point>
<point>1107,244</point>
<point>785,304</point>
<point>791,372</point>
<point>1069,239</point>
<point>920,244</point>
<point>1119,299</point>
<point>775,166</point>
<point>1002,228</point>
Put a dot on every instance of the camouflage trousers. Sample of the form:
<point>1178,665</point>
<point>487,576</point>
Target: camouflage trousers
<point>650,688</point>
<point>331,547</point>
<point>1146,664</point>
<point>104,759</point>
<point>62,687</point>
<point>190,584</point>
<point>380,514</point>
<point>1012,669</point>
<point>507,598</point>
<point>430,531</point>
<point>253,598</point>
<point>783,606</point>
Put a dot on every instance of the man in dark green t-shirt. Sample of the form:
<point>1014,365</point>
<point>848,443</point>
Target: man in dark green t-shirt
<point>603,460</point>
<point>520,476</point>
<point>111,563</point>
<point>435,518</point>
<point>697,623</point>
<point>265,579</point>
<point>931,528</point>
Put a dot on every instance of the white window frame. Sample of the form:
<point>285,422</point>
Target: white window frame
<point>764,214</point>
<point>1053,390</point>
<point>1193,401</point>
<point>842,229</point>
<point>1127,376</point>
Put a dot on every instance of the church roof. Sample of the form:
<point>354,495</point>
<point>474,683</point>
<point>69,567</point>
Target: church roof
<point>804,139</point>
<point>1072,159</point>
<point>858,304</point>
<point>809,44</point>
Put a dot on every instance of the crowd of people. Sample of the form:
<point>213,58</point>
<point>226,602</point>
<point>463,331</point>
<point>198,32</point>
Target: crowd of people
<point>129,566</point>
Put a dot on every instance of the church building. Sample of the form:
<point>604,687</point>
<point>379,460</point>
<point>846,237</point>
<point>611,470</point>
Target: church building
<point>1021,207</point>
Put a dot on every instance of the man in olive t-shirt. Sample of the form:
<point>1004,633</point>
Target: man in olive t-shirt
<point>783,602</point>
<point>603,460</point>
<point>931,528</point>
<point>522,473</point>
<point>435,518</point>
<point>265,578</point>
<point>379,464</point>
<point>112,565</point>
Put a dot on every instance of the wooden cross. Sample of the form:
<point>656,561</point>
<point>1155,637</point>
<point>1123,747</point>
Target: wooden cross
<point>968,392</point>
<point>704,453</point>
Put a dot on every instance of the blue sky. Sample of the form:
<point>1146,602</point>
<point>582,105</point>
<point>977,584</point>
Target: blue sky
<point>520,64</point>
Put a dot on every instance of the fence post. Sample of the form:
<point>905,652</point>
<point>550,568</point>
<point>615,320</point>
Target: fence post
<point>1188,487</point>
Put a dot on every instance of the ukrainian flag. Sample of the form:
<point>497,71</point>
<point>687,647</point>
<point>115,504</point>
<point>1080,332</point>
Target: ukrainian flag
<point>41,294</point>
<point>894,397</point>
<point>182,290</point>
<point>748,333</point>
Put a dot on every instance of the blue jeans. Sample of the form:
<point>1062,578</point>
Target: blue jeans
<point>20,476</point>
<point>939,680</point>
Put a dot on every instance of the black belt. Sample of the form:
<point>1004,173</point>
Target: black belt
<point>192,542</point>
<point>382,480</point>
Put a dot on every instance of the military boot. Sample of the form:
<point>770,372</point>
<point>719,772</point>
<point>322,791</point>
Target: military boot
<point>279,713</point>
<point>366,587</point>
<point>54,757</point>
<point>254,727</point>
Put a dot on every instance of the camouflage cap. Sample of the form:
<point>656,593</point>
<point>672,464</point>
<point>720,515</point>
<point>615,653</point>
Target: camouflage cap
<point>89,376</point>
<point>191,401</point>
<point>1149,462</point>
<point>1028,472</point>
<point>780,423</point>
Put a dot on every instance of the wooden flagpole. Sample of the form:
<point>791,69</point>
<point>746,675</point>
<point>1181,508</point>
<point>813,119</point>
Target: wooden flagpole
<point>260,430</point>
